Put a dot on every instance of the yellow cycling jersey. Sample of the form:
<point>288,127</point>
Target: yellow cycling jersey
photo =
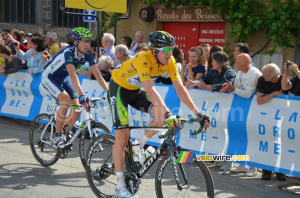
<point>140,68</point>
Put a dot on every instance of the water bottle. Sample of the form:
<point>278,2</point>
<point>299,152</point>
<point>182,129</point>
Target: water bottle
<point>76,126</point>
<point>136,150</point>
<point>149,151</point>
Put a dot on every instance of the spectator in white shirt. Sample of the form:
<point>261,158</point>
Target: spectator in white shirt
<point>244,86</point>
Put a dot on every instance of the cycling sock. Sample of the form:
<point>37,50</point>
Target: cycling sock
<point>57,134</point>
<point>120,180</point>
<point>142,140</point>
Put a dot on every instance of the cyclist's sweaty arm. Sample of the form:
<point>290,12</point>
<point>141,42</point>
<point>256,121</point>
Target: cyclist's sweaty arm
<point>99,77</point>
<point>154,96</point>
<point>185,96</point>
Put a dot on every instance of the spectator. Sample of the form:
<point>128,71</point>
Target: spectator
<point>4,36</point>
<point>244,86</point>
<point>106,65</point>
<point>195,69</point>
<point>126,40</point>
<point>94,48</point>
<point>23,39</point>
<point>12,62</point>
<point>28,37</point>
<point>246,78</point>
<point>206,49</point>
<point>165,78</point>
<point>220,73</point>
<point>139,38</point>
<point>70,38</point>
<point>241,48</point>
<point>141,48</point>
<point>33,57</point>
<point>51,39</point>
<point>16,35</point>
<point>269,83</point>
<point>292,84</point>
<point>108,41</point>
<point>13,41</point>
<point>122,54</point>
<point>213,49</point>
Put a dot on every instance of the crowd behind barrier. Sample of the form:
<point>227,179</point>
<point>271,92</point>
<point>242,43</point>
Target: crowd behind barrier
<point>268,133</point>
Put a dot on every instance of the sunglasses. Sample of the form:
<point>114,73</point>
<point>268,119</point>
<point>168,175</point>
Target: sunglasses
<point>166,49</point>
<point>86,41</point>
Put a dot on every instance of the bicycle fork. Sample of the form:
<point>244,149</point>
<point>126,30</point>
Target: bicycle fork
<point>51,142</point>
<point>173,161</point>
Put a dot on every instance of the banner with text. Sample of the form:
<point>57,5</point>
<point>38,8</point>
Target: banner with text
<point>239,126</point>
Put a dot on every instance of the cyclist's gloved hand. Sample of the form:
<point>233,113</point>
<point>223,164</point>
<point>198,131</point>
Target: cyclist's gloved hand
<point>172,121</point>
<point>82,99</point>
<point>203,119</point>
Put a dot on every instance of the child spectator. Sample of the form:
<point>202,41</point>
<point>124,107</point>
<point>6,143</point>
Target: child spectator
<point>195,69</point>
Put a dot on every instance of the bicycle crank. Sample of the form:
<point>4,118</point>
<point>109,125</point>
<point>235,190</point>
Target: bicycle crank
<point>132,182</point>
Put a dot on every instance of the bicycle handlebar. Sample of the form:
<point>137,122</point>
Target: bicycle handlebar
<point>80,108</point>
<point>182,122</point>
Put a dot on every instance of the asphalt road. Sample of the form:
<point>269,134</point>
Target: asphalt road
<point>22,176</point>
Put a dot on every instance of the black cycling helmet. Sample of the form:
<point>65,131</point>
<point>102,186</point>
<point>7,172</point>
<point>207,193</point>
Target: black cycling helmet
<point>159,39</point>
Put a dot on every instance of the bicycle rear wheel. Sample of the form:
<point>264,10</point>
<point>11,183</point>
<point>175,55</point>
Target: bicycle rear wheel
<point>100,170</point>
<point>199,179</point>
<point>85,140</point>
<point>45,154</point>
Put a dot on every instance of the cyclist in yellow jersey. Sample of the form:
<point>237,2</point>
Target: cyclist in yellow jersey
<point>125,89</point>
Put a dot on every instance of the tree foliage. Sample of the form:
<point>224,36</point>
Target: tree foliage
<point>280,21</point>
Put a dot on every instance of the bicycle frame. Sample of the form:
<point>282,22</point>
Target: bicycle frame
<point>170,143</point>
<point>87,123</point>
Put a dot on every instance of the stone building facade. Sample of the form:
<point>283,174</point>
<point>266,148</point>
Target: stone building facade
<point>134,23</point>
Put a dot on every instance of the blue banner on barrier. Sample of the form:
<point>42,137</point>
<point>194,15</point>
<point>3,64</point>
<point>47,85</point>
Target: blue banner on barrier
<point>268,133</point>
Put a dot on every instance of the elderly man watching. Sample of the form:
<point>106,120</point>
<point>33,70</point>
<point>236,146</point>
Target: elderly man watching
<point>122,54</point>
<point>51,39</point>
<point>269,83</point>
<point>244,86</point>
<point>246,78</point>
<point>108,41</point>
<point>139,38</point>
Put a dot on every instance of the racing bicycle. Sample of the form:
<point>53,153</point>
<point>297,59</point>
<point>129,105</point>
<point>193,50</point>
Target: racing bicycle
<point>42,134</point>
<point>171,180</point>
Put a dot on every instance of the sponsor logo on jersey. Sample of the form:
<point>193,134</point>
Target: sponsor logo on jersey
<point>46,83</point>
<point>70,58</point>
<point>176,74</point>
<point>80,65</point>
<point>123,75</point>
<point>130,71</point>
<point>56,63</point>
<point>52,66</point>
<point>112,102</point>
<point>145,64</point>
<point>145,75</point>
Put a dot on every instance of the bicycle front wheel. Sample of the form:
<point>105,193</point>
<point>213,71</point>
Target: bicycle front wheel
<point>199,180</point>
<point>100,171</point>
<point>85,139</point>
<point>45,154</point>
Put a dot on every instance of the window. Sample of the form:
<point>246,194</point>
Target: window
<point>66,20</point>
<point>21,11</point>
